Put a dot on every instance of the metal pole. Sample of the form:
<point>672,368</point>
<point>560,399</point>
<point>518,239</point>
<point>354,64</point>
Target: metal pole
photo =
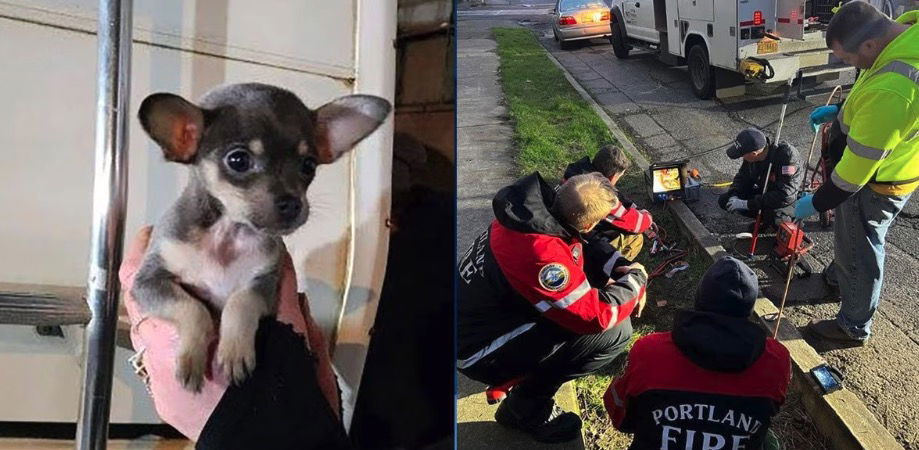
<point>109,198</point>
<point>778,135</point>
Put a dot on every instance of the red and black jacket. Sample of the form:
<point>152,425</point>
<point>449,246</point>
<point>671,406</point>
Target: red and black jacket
<point>713,382</point>
<point>626,218</point>
<point>527,267</point>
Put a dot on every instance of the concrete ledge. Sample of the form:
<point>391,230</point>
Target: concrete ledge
<point>692,226</point>
<point>477,430</point>
<point>840,415</point>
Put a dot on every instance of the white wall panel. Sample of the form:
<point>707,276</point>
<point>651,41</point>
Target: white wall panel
<point>312,35</point>
<point>47,87</point>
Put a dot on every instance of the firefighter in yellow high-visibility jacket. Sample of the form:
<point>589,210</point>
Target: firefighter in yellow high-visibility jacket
<point>879,168</point>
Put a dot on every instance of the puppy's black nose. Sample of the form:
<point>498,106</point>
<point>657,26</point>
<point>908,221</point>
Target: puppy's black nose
<point>288,206</point>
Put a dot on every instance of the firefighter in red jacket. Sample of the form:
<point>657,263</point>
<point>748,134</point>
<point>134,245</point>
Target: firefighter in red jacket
<point>624,226</point>
<point>714,382</point>
<point>526,309</point>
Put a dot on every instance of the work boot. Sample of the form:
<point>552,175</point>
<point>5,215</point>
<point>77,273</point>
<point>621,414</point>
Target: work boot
<point>830,331</point>
<point>540,418</point>
<point>831,286</point>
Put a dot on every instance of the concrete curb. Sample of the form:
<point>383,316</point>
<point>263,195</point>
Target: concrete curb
<point>840,416</point>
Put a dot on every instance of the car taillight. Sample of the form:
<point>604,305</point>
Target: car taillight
<point>605,16</point>
<point>567,20</point>
<point>757,17</point>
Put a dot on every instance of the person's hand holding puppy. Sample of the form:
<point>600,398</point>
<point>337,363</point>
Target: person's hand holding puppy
<point>157,338</point>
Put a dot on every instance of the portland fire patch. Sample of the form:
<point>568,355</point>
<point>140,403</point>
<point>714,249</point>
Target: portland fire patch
<point>553,277</point>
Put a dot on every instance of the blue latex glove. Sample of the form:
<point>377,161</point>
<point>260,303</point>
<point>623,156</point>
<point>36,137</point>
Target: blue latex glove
<point>822,115</point>
<point>805,207</point>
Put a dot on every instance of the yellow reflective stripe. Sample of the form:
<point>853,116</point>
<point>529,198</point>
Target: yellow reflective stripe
<point>843,184</point>
<point>874,154</point>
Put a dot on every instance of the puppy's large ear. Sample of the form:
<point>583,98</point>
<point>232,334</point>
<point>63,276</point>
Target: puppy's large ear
<point>345,121</point>
<point>174,123</point>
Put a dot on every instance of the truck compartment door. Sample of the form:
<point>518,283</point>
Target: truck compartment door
<point>697,10</point>
<point>789,19</point>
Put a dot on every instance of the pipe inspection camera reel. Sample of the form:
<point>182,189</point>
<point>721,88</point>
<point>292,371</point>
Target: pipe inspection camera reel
<point>672,180</point>
<point>792,245</point>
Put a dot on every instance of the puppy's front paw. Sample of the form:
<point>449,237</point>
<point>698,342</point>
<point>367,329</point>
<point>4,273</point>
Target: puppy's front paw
<point>236,357</point>
<point>190,367</point>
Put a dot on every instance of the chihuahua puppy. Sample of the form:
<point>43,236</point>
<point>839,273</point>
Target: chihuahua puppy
<point>253,151</point>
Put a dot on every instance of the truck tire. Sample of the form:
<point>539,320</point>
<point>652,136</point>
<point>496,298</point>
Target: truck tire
<point>620,48</point>
<point>701,73</point>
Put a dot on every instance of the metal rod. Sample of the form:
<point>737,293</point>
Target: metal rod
<point>778,134</point>
<point>759,214</point>
<point>792,262</point>
<point>778,131</point>
<point>810,153</point>
<point>109,199</point>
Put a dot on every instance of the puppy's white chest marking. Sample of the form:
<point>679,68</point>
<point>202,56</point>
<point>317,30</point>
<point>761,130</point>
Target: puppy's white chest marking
<point>219,261</point>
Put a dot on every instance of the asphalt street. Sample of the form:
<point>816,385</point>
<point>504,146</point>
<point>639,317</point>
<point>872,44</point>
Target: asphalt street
<point>654,104</point>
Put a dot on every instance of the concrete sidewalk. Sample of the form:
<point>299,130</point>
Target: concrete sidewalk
<point>485,152</point>
<point>476,428</point>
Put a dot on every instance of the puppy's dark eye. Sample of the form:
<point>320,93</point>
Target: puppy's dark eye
<point>239,160</point>
<point>308,166</point>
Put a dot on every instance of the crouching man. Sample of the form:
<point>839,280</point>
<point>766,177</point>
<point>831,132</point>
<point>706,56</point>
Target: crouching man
<point>714,382</point>
<point>526,311</point>
<point>625,224</point>
<point>745,197</point>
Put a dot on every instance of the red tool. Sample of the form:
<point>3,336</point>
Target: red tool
<point>791,243</point>
<point>494,394</point>
<point>790,240</point>
<point>792,246</point>
<point>759,214</point>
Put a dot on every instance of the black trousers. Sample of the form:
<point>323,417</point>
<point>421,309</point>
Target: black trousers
<point>546,356</point>
<point>770,216</point>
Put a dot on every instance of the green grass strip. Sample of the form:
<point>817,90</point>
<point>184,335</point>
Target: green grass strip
<point>553,124</point>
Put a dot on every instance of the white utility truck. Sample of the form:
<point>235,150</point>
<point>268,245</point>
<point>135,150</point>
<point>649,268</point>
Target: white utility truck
<point>727,43</point>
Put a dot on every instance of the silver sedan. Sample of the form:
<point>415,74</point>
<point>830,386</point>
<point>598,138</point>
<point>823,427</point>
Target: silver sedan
<point>579,19</point>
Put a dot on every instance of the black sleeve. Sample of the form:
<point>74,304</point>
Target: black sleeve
<point>625,200</point>
<point>579,167</point>
<point>743,181</point>
<point>829,196</point>
<point>600,259</point>
<point>783,190</point>
<point>621,291</point>
<point>280,405</point>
